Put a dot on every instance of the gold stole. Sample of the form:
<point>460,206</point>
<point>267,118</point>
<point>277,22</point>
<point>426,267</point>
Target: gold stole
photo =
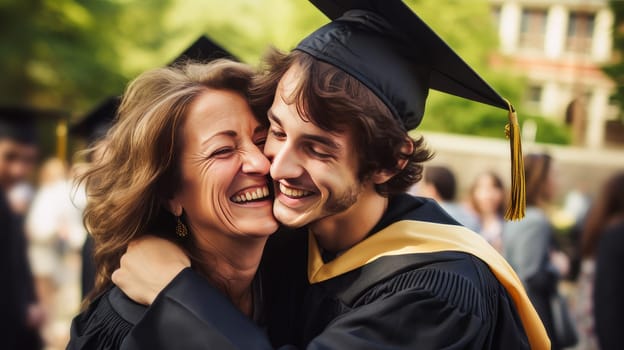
<point>410,237</point>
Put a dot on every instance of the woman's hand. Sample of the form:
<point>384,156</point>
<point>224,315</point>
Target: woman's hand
<point>148,266</point>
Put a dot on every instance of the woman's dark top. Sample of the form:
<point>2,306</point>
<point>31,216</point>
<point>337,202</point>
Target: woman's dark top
<point>112,315</point>
<point>609,287</point>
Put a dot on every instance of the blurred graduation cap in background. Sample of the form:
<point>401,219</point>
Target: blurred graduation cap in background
<point>20,123</point>
<point>204,49</point>
<point>394,53</point>
<point>97,121</point>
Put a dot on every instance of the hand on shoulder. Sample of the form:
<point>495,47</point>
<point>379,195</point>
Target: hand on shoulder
<point>148,266</point>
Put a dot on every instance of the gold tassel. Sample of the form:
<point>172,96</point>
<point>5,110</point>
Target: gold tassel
<point>517,200</point>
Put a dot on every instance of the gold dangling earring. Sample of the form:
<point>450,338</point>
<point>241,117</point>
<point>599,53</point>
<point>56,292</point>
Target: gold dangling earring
<point>181,229</point>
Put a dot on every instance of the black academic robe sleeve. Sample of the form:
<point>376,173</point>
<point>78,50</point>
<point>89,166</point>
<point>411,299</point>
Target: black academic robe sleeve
<point>101,326</point>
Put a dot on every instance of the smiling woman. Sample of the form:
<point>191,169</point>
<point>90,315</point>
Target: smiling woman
<point>184,161</point>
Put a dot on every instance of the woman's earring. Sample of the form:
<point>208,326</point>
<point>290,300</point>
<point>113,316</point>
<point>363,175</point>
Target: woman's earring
<point>181,229</point>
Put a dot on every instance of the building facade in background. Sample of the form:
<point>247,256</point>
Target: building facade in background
<point>560,46</point>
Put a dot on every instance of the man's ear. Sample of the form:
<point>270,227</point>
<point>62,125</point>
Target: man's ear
<point>407,149</point>
<point>383,176</point>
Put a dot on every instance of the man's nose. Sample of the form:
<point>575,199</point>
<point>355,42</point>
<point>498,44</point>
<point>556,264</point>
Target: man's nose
<point>286,164</point>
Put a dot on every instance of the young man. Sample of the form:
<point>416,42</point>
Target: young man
<point>384,269</point>
<point>22,315</point>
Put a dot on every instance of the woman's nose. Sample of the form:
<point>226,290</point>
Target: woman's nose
<point>255,162</point>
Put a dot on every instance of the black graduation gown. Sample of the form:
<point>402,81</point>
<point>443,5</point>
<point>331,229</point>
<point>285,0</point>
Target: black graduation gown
<point>106,322</point>
<point>110,317</point>
<point>427,301</point>
<point>17,291</point>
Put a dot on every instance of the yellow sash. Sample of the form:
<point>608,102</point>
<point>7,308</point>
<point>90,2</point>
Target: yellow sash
<point>409,237</point>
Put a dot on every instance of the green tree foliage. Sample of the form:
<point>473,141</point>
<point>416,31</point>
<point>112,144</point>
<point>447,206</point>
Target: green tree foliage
<point>71,54</point>
<point>246,28</point>
<point>616,70</point>
<point>68,54</point>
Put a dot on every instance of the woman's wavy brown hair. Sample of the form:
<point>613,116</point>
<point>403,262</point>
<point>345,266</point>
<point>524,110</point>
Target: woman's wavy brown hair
<point>128,186</point>
<point>335,101</point>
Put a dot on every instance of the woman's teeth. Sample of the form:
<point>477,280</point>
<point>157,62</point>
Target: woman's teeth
<point>292,192</point>
<point>251,195</point>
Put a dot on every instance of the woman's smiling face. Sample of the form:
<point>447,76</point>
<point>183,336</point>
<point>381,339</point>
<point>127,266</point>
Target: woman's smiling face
<point>223,174</point>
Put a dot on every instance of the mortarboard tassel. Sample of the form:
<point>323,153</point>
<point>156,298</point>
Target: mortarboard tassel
<point>517,201</point>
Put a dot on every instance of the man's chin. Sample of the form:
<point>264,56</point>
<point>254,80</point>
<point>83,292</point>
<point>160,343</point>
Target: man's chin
<point>293,222</point>
<point>292,219</point>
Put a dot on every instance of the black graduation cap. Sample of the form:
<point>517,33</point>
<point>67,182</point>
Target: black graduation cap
<point>389,49</point>
<point>204,49</point>
<point>19,123</point>
<point>97,121</point>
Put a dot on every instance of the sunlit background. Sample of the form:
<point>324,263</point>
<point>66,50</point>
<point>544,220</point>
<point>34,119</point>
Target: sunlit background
<point>557,61</point>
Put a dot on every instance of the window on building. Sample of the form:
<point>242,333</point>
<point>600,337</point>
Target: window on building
<point>534,94</point>
<point>580,32</point>
<point>533,28</point>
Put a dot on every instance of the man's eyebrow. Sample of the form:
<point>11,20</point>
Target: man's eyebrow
<point>325,141</point>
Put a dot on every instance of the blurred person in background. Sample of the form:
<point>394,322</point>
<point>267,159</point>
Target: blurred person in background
<point>602,248</point>
<point>184,161</point>
<point>439,183</point>
<point>80,240</point>
<point>487,200</point>
<point>45,225</point>
<point>56,234</point>
<point>576,206</point>
<point>21,315</point>
<point>20,197</point>
<point>529,244</point>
